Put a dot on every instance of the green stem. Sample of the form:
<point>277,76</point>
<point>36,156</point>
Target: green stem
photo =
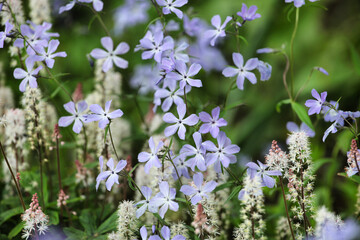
<point>85,145</point>
<point>112,143</point>
<point>233,175</point>
<point>286,208</point>
<point>228,93</point>
<point>13,177</point>
<point>58,163</point>
<point>292,50</point>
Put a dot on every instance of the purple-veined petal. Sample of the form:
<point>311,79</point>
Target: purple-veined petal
<point>194,69</point>
<point>198,180</point>
<point>210,186</point>
<point>70,107</point>
<point>19,73</point>
<point>107,65</point>
<point>103,122</point>
<point>250,76</point>
<point>143,156</point>
<point>195,199</point>
<point>170,118</point>
<point>187,190</point>
<point>240,81</point>
<point>251,64</point>
<point>122,48</point>
<point>216,21</point>
<point>268,181</point>
<point>182,131</point>
<point>171,130</point>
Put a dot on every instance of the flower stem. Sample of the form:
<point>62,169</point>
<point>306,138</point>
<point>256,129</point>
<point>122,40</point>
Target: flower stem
<point>292,49</point>
<point>228,93</point>
<point>233,175</point>
<point>58,163</point>
<point>13,176</point>
<point>85,145</point>
<point>286,208</point>
<point>112,143</point>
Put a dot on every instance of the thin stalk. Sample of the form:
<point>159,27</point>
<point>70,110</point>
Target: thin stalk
<point>112,143</point>
<point>140,112</point>
<point>58,163</point>
<point>41,176</point>
<point>13,177</point>
<point>228,93</point>
<point>287,66</point>
<point>233,175</point>
<point>292,49</point>
<point>302,201</point>
<point>85,145</point>
<point>286,208</point>
<point>97,15</point>
<point>187,110</point>
<point>161,15</point>
<point>303,86</point>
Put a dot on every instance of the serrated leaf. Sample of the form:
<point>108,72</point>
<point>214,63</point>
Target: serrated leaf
<point>280,103</point>
<point>233,193</point>
<point>109,224</point>
<point>74,234</point>
<point>4,216</point>
<point>87,220</point>
<point>16,230</point>
<point>302,114</point>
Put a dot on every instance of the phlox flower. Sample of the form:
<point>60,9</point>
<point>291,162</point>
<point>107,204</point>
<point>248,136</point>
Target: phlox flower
<point>112,174</point>
<point>97,4</point>
<point>196,193</point>
<point>179,122</point>
<point>171,95</point>
<point>147,203</point>
<point>299,3</point>
<point>166,234</point>
<point>154,45</point>
<point>171,6</point>
<point>77,115</point>
<point>151,158</point>
<point>223,154</point>
<point>211,123</point>
<point>165,199</point>
<point>183,75</point>
<point>67,7</point>
<point>260,170</point>
<point>34,37</point>
<point>27,76</point>
<point>265,70</point>
<point>219,29</point>
<point>197,152</point>
<point>101,115</point>
<point>242,71</point>
<point>181,167</point>
<point>3,35</point>
<point>248,14</point>
<point>49,55</point>
<point>315,105</point>
<point>111,55</point>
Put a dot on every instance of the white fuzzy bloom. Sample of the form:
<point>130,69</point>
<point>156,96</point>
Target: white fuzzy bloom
<point>323,217</point>
<point>6,99</point>
<point>179,229</point>
<point>282,229</point>
<point>16,9</point>
<point>276,159</point>
<point>127,222</point>
<point>40,11</point>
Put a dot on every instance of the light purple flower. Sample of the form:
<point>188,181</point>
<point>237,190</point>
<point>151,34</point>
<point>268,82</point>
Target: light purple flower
<point>97,4</point>
<point>349,230</point>
<point>196,193</point>
<point>171,6</point>
<point>183,75</point>
<point>198,159</point>
<point>298,3</point>
<point>266,50</point>
<point>179,122</point>
<point>194,27</point>
<point>143,234</point>
<point>223,154</point>
<point>151,158</point>
<point>27,76</point>
<point>67,7</point>
<point>165,199</point>
<point>242,71</point>
<point>3,35</point>
<point>260,170</point>
<point>101,115</point>
<point>144,78</point>
<point>181,167</point>
<point>208,57</point>
<point>315,105</point>
<point>293,127</point>
<point>111,54</point>
<point>154,45</point>
<point>165,233</point>
<point>49,55</point>
<point>112,174</point>
<point>179,52</point>
<point>146,204</point>
<point>219,29</point>
<point>331,129</point>
<point>173,95</point>
<point>211,123</point>
<point>322,70</point>
<point>34,37</point>
<point>248,14</point>
<point>77,115</point>
<point>265,70</point>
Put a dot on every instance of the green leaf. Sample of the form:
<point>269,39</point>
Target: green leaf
<point>53,217</point>
<point>302,114</point>
<point>162,221</point>
<point>242,38</point>
<point>355,57</point>
<point>234,105</point>
<point>71,200</point>
<point>74,234</point>
<point>223,186</point>
<point>319,163</point>
<point>131,171</point>
<point>354,178</point>
<point>151,22</point>
<point>130,184</point>
<point>109,224</point>
<point>4,216</point>
<point>233,193</point>
<point>280,103</point>
<point>291,10</point>
<point>183,200</point>
<point>87,220</point>
<point>16,230</point>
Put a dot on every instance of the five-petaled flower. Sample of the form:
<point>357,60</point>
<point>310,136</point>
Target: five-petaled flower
<point>260,170</point>
<point>171,6</point>
<point>77,115</point>
<point>197,152</point>
<point>151,158</point>
<point>199,190</point>
<point>242,71</point>
<point>315,105</point>
<point>27,76</point>
<point>111,55</point>
<point>248,14</point>
<point>147,203</point>
<point>219,29</point>
<point>211,123</point>
<point>165,199</point>
<point>155,45</point>
<point>184,76</point>
<point>179,122</point>
<point>3,35</point>
<point>101,115</point>
<point>49,55</point>
<point>112,174</point>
